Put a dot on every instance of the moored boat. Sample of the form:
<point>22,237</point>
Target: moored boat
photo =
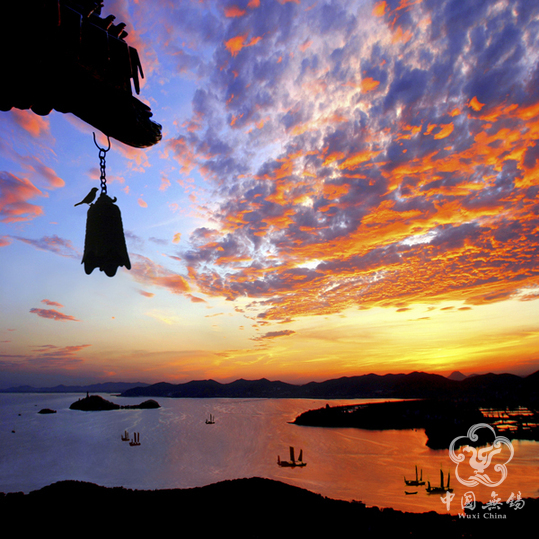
<point>441,489</point>
<point>417,482</point>
<point>136,439</point>
<point>292,463</point>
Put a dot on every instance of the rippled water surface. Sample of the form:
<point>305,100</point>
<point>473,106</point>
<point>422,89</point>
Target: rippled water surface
<point>179,450</point>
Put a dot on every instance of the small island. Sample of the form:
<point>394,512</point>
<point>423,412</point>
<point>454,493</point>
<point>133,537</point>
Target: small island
<point>46,411</point>
<point>94,403</point>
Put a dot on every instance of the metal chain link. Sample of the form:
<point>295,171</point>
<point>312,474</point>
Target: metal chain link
<point>102,165</point>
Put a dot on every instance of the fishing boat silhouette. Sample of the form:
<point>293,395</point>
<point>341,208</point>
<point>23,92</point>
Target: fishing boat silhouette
<point>292,463</point>
<point>417,482</point>
<point>136,439</point>
<point>441,489</point>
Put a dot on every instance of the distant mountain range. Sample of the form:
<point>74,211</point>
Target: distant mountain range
<point>107,387</point>
<point>402,386</point>
<point>413,385</point>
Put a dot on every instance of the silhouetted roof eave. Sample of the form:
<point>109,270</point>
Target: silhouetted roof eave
<point>61,55</point>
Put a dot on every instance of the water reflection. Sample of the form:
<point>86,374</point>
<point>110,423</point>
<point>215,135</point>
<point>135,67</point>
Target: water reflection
<point>179,450</point>
<point>512,419</point>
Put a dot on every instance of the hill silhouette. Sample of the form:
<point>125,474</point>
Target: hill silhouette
<point>416,385</point>
<point>444,411</point>
<point>246,508</point>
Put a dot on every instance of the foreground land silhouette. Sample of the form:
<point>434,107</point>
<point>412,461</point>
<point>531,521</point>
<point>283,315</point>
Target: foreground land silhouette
<point>241,508</point>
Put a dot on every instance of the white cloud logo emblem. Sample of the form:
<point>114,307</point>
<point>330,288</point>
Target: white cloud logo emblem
<point>481,458</point>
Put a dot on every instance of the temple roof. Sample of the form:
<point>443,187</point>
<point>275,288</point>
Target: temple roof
<point>62,55</point>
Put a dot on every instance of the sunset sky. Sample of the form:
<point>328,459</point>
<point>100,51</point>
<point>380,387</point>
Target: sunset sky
<point>343,187</point>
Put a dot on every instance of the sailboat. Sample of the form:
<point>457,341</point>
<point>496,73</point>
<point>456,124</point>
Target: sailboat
<point>418,480</point>
<point>125,436</point>
<point>292,463</point>
<point>211,420</point>
<point>136,439</point>
<point>441,489</point>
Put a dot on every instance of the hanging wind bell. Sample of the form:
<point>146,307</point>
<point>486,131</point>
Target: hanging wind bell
<point>104,244</point>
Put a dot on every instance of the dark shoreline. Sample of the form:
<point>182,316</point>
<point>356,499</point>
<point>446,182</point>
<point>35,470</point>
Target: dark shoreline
<point>245,508</point>
<point>442,419</point>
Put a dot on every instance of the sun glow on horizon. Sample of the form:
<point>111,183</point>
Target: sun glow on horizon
<point>323,203</point>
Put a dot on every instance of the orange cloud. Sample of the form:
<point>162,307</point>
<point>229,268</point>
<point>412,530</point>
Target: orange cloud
<point>236,44</point>
<point>54,180</point>
<point>368,84</point>
<point>53,315</point>
<point>234,11</point>
<point>15,193</point>
<point>332,157</point>
<point>446,202</point>
<point>51,303</point>
<point>165,184</point>
<point>32,123</point>
<point>474,104</point>
<point>376,212</point>
<point>184,154</point>
<point>149,273</point>
<point>446,130</point>
<point>379,9</point>
<point>4,241</point>
<point>361,157</point>
<point>196,299</point>
<point>400,35</point>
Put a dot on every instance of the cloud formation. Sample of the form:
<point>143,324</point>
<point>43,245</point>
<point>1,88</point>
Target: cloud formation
<point>273,335</point>
<point>149,273</point>
<point>365,153</point>
<point>51,303</point>
<point>53,314</point>
<point>54,244</point>
<point>33,124</point>
<point>15,194</point>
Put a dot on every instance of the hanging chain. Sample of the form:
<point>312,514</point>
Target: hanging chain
<point>102,165</point>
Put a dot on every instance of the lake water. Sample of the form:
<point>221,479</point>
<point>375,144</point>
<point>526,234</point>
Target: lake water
<point>178,450</point>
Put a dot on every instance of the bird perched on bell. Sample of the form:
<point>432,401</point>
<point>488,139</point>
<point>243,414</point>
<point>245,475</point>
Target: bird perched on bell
<point>89,197</point>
